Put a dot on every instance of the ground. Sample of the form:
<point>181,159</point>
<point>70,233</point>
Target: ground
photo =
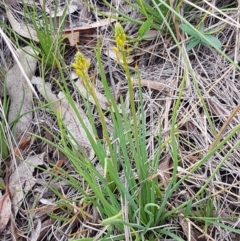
<point>119,120</point>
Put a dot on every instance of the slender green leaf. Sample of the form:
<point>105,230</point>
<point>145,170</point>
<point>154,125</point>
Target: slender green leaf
<point>192,43</point>
<point>190,30</point>
<point>213,40</point>
<point>145,27</point>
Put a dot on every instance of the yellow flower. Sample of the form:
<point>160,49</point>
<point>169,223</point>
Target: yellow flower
<point>74,65</point>
<point>78,72</point>
<point>120,36</point>
<point>81,65</point>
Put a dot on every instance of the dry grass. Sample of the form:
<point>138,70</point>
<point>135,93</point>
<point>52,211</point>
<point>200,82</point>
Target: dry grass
<point>214,81</point>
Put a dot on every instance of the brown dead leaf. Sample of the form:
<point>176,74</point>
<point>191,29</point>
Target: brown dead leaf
<point>5,210</point>
<point>86,37</point>
<point>20,92</point>
<point>5,205</point>
<point>57,169</point>
<point>163,170</point>
<point>73,37</point>
<point>22,145</point>
<point>21,180</point>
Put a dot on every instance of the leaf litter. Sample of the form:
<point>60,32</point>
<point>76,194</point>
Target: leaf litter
<point>161,71</point>
<point>22,180</point>
<point>68,116</point>
<point>5,206</point>
<point>20,93</point>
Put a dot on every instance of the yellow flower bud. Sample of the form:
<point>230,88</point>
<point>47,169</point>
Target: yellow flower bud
<point>74,65</point>
<point>78,72</point>
<point>81,65</point>
<point>120,36</point>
